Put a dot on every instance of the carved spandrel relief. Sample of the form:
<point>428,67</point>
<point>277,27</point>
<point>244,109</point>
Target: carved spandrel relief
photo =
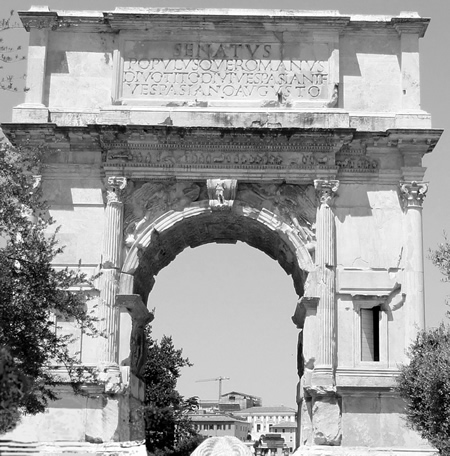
<point>222,193</point>
<point>293,203</point>
<point>152,199</point>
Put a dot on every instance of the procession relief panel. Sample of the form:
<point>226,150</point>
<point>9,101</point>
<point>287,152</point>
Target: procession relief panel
<point>226,69</point>
<point>241,153</point>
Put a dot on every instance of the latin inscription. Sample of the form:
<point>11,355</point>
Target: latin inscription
<point>221,71</point>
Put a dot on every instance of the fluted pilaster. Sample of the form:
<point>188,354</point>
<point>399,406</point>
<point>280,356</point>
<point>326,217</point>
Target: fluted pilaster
<point>413,194</point>
<point>326,269</point>
<point>111,258</point>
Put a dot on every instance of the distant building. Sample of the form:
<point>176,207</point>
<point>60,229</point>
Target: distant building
<point>242,400</point>
<point>271,445</point>
<point>231,402</point>
<point>217,425</point>
<point>264,418</point>
<point>288,431</point>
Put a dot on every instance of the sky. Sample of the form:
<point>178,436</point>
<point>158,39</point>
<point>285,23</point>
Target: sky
<point>229,306</point>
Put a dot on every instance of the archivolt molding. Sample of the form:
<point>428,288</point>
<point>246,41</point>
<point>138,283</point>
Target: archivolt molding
<point>147,202</point>
<point>163,218</point>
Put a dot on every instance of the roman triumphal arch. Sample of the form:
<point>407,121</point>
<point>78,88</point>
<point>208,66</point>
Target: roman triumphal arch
<point>299,133</point>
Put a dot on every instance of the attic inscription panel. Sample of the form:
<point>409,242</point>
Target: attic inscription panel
<point>212,72</point>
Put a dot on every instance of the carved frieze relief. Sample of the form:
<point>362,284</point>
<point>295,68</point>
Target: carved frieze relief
<point>157,149</point>
<point>353,159</point>
<point>201,158</point>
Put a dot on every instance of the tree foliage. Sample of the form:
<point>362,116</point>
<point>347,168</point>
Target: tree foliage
<point>425,382</point>
<point>8,55</point>
<point>441,258</point>
<point>31,290</point>
<point>169,430</point>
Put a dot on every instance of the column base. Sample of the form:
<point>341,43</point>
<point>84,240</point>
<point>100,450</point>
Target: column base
<point>322,381</point>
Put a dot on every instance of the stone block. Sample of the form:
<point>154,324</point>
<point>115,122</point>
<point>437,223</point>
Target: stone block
<point>326,421</point>
<point>30,114</point>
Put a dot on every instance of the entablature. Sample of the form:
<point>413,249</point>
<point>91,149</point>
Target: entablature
<point>249,154</point>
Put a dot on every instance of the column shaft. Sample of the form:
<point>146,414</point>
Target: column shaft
<point>326,269</point>
<point>111,263</point>
<point>413,194</point>
<point>325,262</point>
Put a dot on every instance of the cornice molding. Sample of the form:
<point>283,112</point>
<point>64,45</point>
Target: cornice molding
<point>142,18</point>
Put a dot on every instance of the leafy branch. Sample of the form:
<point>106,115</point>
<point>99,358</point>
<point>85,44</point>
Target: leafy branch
<point>9,55</point>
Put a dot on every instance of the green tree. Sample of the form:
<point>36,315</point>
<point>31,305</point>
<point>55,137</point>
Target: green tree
<point>31,291</point>
<point>441,259</point>
<point>169,430</point>
<point>424,383</point>
<point>10,54</point>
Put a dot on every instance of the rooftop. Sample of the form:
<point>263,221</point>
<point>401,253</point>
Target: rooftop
<point>215,417</point>
<point>284,424</point>
<point>280,409</point>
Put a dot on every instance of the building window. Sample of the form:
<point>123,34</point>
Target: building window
<point>219,427</point>
<point>370,334</point>
<point>258,428</point>
<point>211,426</point>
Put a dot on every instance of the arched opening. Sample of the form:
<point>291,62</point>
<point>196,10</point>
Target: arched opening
<point>229,307</point>
<point>281,232</point>
<point>163,241</point>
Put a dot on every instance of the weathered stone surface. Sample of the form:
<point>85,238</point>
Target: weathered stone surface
<point>326,421</point>
<point>324,60</point>
<point>135,448</point>
<point>360,451</point>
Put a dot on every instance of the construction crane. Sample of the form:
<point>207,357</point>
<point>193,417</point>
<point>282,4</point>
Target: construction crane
<point>217,379</point>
